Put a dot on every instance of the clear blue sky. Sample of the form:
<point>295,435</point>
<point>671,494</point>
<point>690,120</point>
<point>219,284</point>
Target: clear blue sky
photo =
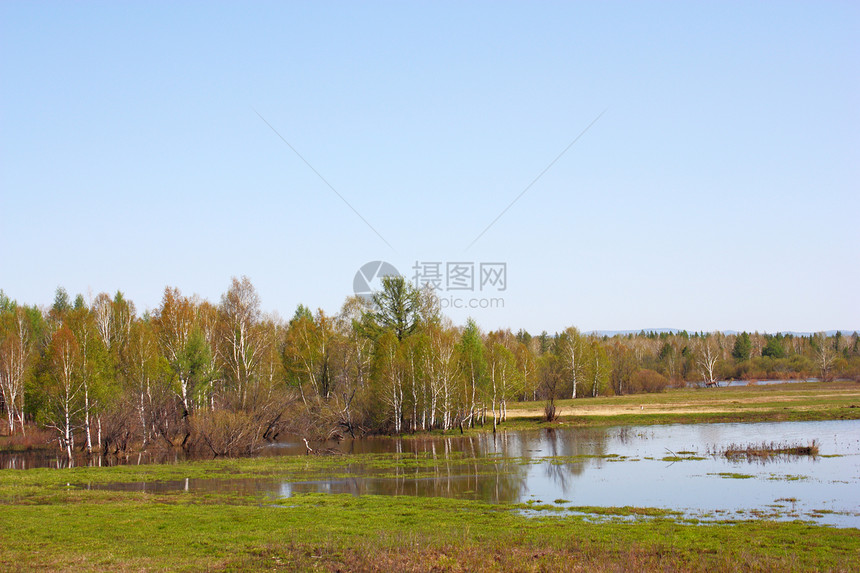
<point>720,189</point>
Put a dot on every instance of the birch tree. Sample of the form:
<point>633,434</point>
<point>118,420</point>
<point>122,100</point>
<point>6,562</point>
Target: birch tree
<point>102,310</point>
<point>307,353</point>
<point>442,373</point>
<point>527,367</point>
<point>356,361</point>
<point>243,342</point>
<point>123,316</point>
<point>184,346</point>
<point>65,387</point>
<point>599,368</point>
<point>825,356</point>
<point>143,374</point>
<point>502,370</point>
<point>15,355</point>
<point>706,360</point>
<point>83,325</point>
<point>473,361</point>
<point>391,374</point>
<point>574,351</point>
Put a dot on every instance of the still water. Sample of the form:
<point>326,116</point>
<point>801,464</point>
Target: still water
<point>670,467</point>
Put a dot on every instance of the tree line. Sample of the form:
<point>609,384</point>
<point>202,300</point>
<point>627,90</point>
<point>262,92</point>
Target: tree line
<point>227,377</point>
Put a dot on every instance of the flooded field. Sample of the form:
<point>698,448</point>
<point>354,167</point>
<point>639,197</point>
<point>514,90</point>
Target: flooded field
<point>675,468</point>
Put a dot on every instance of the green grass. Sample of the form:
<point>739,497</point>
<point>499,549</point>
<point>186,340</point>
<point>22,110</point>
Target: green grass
<point>101,530</point>
<point>51,526</point>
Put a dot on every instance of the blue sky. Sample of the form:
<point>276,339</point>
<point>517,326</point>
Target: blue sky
<point>719,190</point>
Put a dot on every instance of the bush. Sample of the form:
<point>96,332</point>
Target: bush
<point>646,380</point>
<point>550,413</point>
<point>226,433</point>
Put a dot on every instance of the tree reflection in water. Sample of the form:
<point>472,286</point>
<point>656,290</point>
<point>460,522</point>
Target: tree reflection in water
<point>585,466</point>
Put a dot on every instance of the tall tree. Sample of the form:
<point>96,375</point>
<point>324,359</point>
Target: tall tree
<point>474,367</point>
<point>742,348</point>
<point>92,367</point>
<point>502,371</point>
<point>574,351</point>
<point>774,347</point>
<point>243,340</point>
<point>825,356</point>
<point>442,373</point>
<point>184,346</point>
<point>307,354</point>
<point>599,368</point>
<point>357,353</point>
<point>623,367</point>
<point>65,387</point>
<point>145,372</point>
<point>396,308</point>
<point>706,360</point>
<point>15,355</point>
<point>527,366</point>
<point>390,373</point>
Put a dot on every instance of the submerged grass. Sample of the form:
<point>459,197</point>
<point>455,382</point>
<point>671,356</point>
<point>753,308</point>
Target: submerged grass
<point>733,475</point>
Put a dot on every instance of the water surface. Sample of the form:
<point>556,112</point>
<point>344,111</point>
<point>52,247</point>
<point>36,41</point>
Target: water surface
<point>671,467</point>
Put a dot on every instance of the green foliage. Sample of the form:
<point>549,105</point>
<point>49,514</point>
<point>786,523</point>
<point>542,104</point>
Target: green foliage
<point>473,364</point>
<point>6,304</point>
<point>774,348</point>
<point>742,348</point>
<point>302,312</point>
<point>395,308</point>
<point>61,302</point>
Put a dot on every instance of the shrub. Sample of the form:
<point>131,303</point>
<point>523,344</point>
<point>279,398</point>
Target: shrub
<point>646,380</point>
<point>550,413</point>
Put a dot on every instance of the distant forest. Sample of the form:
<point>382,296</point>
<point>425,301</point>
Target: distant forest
<point>227,377</point>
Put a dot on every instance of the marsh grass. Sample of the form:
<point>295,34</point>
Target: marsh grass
<point>765,451</point>
<point>33,439</point>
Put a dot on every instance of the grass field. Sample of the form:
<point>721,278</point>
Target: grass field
<point>68,529</point>
<point>51,523</point>
<point>802,401</point>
